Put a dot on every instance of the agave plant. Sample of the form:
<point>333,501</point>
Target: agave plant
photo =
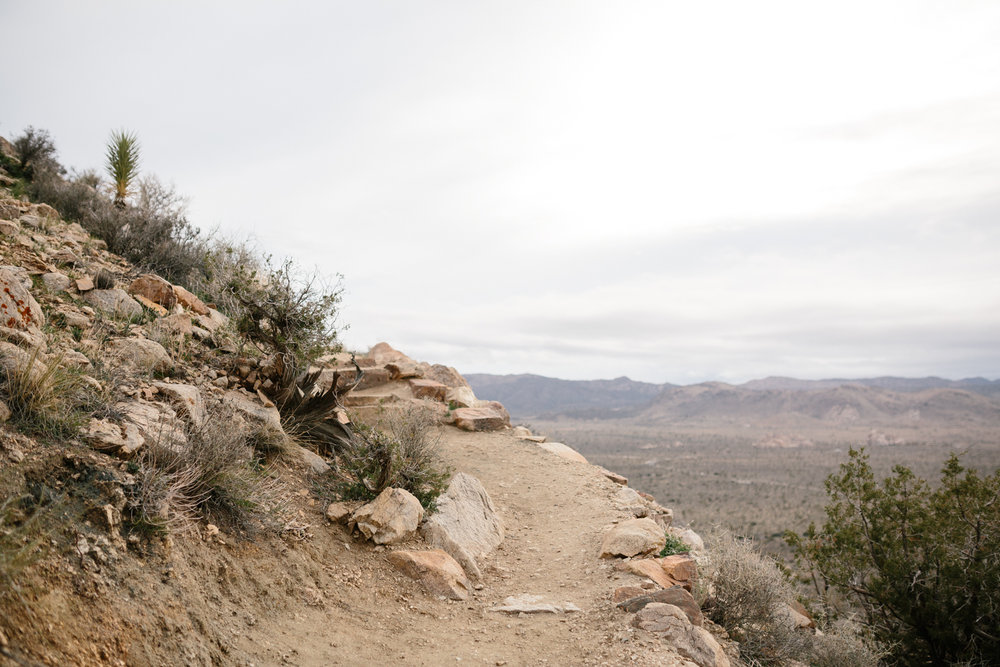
<point>123,163</point>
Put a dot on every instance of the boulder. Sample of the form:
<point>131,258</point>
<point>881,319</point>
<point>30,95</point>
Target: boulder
<point>797,616</point>
<point>156,422</point>
<point>187,398</point>
<point>154,288</point>
<point>675,595</point>
<point>190,301</point>
<point>113,302</point>
<point>694,643</point>
<point>403,369</point>
<point>142,353</point>
<point>212,321</point>
<point>632,538</point>
<point>466,523</point>
<point>84,284</point>
<point>435,570</point>
<point>479,419</point>
<point>649,568</point>
<point>461,397</point>
<point>495,406</point>
<point>623,593</point>
<point>338,512</point>
<point>311,459</point>
<point>690,538</point>
<point>383,353</point>
<point>446,375</point>
<point>392,517</point>
<point>429,389</point>
<point>9,227</point>
<point>563,451</point>
<point>18,309</point>
<point>56,282</point>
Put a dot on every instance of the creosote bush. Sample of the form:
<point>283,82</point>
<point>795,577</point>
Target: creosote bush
<point>212,473</point>
<point>400,450</point>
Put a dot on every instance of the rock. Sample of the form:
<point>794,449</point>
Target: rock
<point>29,220</point>
<point>190,301</point>
<point>403,369</point>
<point>178,324</point>
<point>632,538</point>
<point>422,388</point>
<point>649,568</point>
<point>186,397</point>
<point>212,321</point>
<point>675,595</point>
<point>797,615</point>
<point>435,570</point>
<point>18,309</point>
<point>9,227</point>
<point>311,459</point>
<point>142,353</point>
<point>75,359</point>
<point>338,512</point>
<point>461,397</point>
<point>155,289</point>
<point>390,518</point>
<point>534,604</point>
<point>479,419</point>
<point>56,282</point>
<point>613,476</point>
<point>497,407</point>
<point>563,451</point>
<point>623,593</point>
<point>466,523</point>
<point>114,302</point>
<point>84,284</point>
<point>446,375</point>
<point>383,353</point>
<point>28,339</point>
<point>627,497</point>
<point>521,432</point>
<point>682,568</point>
<point>694,643</point>
<point>45,211</point>
<point>151,305</point>
<point>5,412</point>
<point>690,538</point>
<point>123,440</point>
<point>20,274</point>
<point>253,409</point>
<point>156,422</point>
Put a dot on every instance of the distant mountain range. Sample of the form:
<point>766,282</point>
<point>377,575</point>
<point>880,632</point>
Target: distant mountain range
<point>837,400</point>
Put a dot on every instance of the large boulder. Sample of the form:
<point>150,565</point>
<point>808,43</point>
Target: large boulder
<point>633,538</point>
<point>154,288</point>
<point>142,353</point>
<point>190,301</point>
<point>435,570</point>
<point>392,517</point>
<point>18,309</point>
<point>479,419</point>
<point>466,523</point>
<point>114,302</point>
<point>694,643</point>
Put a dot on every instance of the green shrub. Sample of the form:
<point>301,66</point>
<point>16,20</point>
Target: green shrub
<point>674,546</point>
<point>922,564</point>
<point>399,451</point>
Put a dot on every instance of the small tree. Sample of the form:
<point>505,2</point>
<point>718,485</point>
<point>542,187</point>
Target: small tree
<point>123,163</point>
<point>922,564</point>
<point>35,151</point>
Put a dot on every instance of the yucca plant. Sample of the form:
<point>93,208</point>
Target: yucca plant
<point>123,163</point>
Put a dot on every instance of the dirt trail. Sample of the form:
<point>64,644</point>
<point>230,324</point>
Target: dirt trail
<point>555,513</point>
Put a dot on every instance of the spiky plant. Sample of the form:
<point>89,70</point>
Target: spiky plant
<point>123,163</point>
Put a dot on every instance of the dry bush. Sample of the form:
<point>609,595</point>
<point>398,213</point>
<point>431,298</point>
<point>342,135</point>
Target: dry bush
<point>44,397</point>
<point>844,644</point>
<point>399,450</point>
<point>748,600</point>
<point>214,475</point>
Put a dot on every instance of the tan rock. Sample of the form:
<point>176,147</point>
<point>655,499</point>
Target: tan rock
<point>681,567</point>
<point>18,309</point>
<point>56,282</point>
<point>187,398</point>
<point>479,419</point>
<point>159,310</point>
<point>403,369</point>
<point>690,538</point>
<point>623,593</point>
<point>142,353</point>
<point>252,409</point>
<point>675,595</point>
<point>9,227</point>
<point>649,568</point>
<point>383,353</point>
<point>190,301</point>
<point>155,289</point>
<point>460,397</point>
<point>212,321</point>
<point>438,572</point>
<point>122,440</point>
<point>392,517</point>
<point>315,462</point>
<point>694,643</point>
<point>534,604</point>
<point>338,512</point>
<point>563,451</point>
<point>613,476</point>
<point>446,375</point>
<point>84,284</point>
<point>632,538</point>
<point>466,523</point>
<point>429,389</point>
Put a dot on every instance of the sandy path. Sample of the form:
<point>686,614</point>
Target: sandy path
<point>555,513</point>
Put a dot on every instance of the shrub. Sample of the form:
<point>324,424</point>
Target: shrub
<point>750,594</point>
<point>399,451</point>
<point>36,153</point>
<point>923,565</point>
<point>44,398</point>
<point>214,474</point>
<point>674,545</point>
<point>123,164</point>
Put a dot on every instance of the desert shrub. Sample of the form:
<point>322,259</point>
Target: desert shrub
<point>36,152</point>
<point>844,644</point>
<point>674,545</point>
<point>750,593</point>
<point>44,397</point>
<point>400,451</point>
<point>213,473</point>
<point>73,198</point>
<point>922,564</point>
<point>275,307</point>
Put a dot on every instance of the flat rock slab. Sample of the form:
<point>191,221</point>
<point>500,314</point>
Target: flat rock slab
<point>563,451</point>
<point>115,303</point>
<point>670,571</point>
<point>430,389</point>
<point>534,604</point>
<point>633,538</point>
<point>479,419</point>
<point>438,572</point>
<point>155,289</point>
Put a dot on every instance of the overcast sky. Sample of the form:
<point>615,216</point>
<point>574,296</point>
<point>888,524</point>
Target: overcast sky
<point>673,191</point>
